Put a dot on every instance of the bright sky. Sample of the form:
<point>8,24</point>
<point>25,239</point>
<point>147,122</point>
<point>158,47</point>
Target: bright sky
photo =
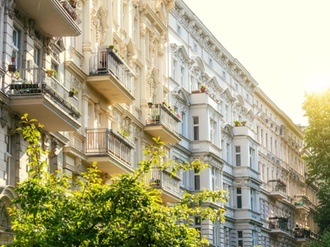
<point>284,44</point>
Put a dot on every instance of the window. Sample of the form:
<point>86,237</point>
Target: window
<point>215,235</point>
<point>136,34</point>
<point>239,197</point>
<point>198,224</point>
<point>174,69</point>
<point>197,182</point>
<point>195,47</point>
<point>240,238</point>
<point>251,157</point>
<point>254,238</point>
<point>178,29</point>
<point>227,237</point>
<point>228,188</point>
<point>213,126</point>
<point>227,112</point>
<point>196,128</point>
<point>214,179</point>
<point>275,146</point>
<point>183,71</point>
<point>37,57</point>
<point>17,39</point>
<point>253,200</point>
<point>54,67</point>
<point>271,144</point>
<point>224,75</point>
<point>147,44</point>
<point>211,62</point>
<point>238,155</point>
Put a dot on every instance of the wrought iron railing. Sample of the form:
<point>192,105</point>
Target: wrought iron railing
<point>108,142</point>
<point>27,82</point>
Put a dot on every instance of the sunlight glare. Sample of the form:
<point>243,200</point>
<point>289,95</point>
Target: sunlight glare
<point>318,85</point>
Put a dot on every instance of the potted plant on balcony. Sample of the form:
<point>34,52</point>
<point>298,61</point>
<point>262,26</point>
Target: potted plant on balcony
<point>203,88</point>
<point>237,123</point>
<point>17,75</point>
<point>149,104</point>
<point>50,72</point>
<point>73,92</point>
<point>243,123</point>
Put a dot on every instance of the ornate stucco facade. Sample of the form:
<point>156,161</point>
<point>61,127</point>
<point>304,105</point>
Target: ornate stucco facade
<point>87,70</point>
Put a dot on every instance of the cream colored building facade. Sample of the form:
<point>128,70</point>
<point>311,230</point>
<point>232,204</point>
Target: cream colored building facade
<point>87,70</point>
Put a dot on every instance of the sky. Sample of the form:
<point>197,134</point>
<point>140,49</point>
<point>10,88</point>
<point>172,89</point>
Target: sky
<point>284,44</point>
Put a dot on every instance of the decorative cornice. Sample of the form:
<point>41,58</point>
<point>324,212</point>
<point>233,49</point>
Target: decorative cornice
<point>195,27</point>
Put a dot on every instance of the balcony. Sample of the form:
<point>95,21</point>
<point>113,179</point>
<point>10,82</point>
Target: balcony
<point>301,204</point>
<point>48,12</point>
<point>277,189</point>
<point>248,215</point>
<point>201,98</point>
<point>112,151</point>
<point>302,235</point>
<point>245,171</point>
<point>278,226</point>
<point>163,123</point>
<point>244,131</point>
<point>112,78</point>
<point>170,185</point>
<point>44,99</point>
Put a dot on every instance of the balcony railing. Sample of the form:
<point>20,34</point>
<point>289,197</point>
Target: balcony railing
<point>100,142</point>
<point>111,77</point>
<point>277,189</point>
<point>159,114</point>
<point>110,62</point>
<point>302,233</point>
<point>63,20</point>
<point>302,203</point>
<point>163,180</point>
<point>36,81</point>
<point>279,225</point>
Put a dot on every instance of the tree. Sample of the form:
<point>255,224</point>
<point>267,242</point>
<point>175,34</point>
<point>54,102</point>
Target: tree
<point>56,210</point>
<point>317,146</point>
<point>317,135</point>
<point>324,241</point>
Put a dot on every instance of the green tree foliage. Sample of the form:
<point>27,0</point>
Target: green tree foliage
<point>56,210</point>
<point>317,135</point>
<point>323,209</point>
<point>317,144</point>
<point>324,241</point>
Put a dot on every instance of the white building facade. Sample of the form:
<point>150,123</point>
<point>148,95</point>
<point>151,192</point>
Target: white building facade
<point>88,69</point>
<point>252,147</point>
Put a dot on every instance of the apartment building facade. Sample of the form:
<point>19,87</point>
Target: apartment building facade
<point>105,77</point>
<point>253,149</point>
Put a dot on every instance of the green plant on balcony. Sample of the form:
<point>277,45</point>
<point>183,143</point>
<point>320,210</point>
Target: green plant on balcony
<point>237,123</point>
<point>13,56</point>
<point>17,75</point>
<point>112,47</point>
<point>171,110</point>
<point>150,104</point>
<point>123,132</point>
<point>73,92</point>
<point>203,88</point>
<point>52,73</point>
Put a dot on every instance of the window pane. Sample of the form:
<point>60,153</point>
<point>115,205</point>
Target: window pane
<point>197,182</point>
<point>239,201</point>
